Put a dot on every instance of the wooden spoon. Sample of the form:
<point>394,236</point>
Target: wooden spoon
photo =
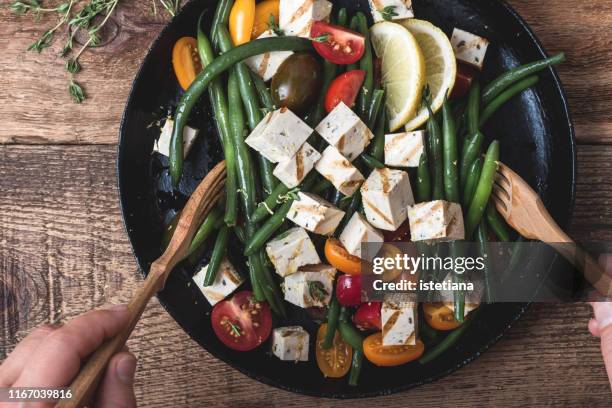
<point>199,205</point>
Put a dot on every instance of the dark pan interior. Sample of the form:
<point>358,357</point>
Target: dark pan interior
<point>534,129</point>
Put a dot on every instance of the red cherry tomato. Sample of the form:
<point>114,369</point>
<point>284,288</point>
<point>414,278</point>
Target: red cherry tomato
<point>367,316</point>
<point>345,89</point>
<point>348,290</point>
<point>463,80</point>
<point>241,323</point>
<point>337,44</point>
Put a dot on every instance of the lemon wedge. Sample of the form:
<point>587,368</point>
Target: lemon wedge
<point>440,65</point>
<point>403,71</point>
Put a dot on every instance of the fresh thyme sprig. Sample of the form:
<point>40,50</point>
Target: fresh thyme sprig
<point>388,13</point>
<point>272,25</point>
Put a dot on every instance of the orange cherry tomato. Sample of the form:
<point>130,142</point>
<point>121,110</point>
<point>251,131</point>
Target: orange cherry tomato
<point>241,20</point>
<point>339,258</point>
<point>263,11</point>
<point>186,61</point>
<point>390,356</point>
<point>439,316</point>
<point>335,361</point>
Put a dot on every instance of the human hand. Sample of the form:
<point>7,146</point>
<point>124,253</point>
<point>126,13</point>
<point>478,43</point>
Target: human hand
<point>51,356</point>
<point>601,325</point>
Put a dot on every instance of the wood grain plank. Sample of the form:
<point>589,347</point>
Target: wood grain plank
<point>63,250</point>
<point>580,30</point>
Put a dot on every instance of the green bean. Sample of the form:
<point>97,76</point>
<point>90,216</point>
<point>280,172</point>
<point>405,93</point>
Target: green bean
<point>458,295</point>
<point>263,233</point>
<point>351,335</point>
<point>483,190</point>
<point>240,233</point>
<point>377,148</point>
<point>355,27</point>
<point>497,224</point>
<point>252,109</point>
<point>445,344</point>
<point>355,368</point>
<point>333,314</point>
<point>435,150</point>
<point>212,222</point>
<point>270,289</point>
<point>482,237</point>
<point>264,93</point>
<point>505,96</point>
<point>371,162</point>
<point>220,18</point>
<point>512,76</point>
<point>349,211</point>
<point>274,199</point>
<point>342,18</point>
<point>449,135</point>
<point>212,71</point>
<point>254,278</point>
<point>217,256</point>
<point>375,106</point>
<point>427,331</point>
<point>472,181</point>
<point>471,151</point>
<point>515,259</point>
<point>322,186</point>
<point>423,185</point>
<point>473,108</point>
<point>365,95</point>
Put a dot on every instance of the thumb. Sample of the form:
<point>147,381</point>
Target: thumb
<point>117,387</point>
<point>606,350</point>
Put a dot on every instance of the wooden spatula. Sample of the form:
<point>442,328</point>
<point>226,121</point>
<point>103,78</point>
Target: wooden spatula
<point>525,212</point>
<point>199,205</point>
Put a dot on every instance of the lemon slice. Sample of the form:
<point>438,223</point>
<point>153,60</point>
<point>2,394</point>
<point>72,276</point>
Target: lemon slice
<point>403,71</point>
<point>440,65</point>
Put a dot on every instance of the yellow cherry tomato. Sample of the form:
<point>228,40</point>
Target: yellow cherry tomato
<point>333,362</point>
<point>263,11</point>
<point>186,61</point>
<point>241,20</point>
<point>390,356</point>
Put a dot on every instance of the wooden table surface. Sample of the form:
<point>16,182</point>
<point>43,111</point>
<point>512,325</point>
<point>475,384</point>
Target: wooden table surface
<point>63,248</point>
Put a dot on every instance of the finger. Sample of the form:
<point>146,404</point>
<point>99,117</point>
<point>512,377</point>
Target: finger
<point>594,328</point>
<point>57,361</point>
<point>13,365</point>
<point>117,387</point>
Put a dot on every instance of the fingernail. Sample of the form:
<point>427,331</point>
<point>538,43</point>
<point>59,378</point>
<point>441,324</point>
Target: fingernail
<point>126,368</point>
<point>115,308</point>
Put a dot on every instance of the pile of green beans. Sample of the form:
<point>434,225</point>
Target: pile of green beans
<point>505,96</point>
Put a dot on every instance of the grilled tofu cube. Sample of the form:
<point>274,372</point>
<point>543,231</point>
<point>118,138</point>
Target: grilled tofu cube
<point>472,298</point>
<point>344,130</point>
<point>279,135</point>
<point>290,343</point>
<point>436,221</point>
<point>385,10</point>
<point>297,16</point>
<point>358,230</point>
<point>339,171</point>
<point>162,145</point>
<point>265,65</point>
<point>469,48</point>
<point>404,149</point>
<point>386,195</point>
<point>399,317</point>
<point>226,282</point>
<point>312,286</point>
<point>290,250</point>
<point>315,214</point>
<point>292,172</point>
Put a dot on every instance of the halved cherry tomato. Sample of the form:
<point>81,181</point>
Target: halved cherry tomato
<point>339,258</point>
<point>463,80</point>
<point>348,290</point>
<point>439,316</point>
<point>345,89</point>
<point>390,356</point>
<point>335,361</point>
<point>367,316</point>
<point>186,61</point>
<point>241,20</point>
<point>337,44</point>
<point>263,11</point>
<point>241,323</point>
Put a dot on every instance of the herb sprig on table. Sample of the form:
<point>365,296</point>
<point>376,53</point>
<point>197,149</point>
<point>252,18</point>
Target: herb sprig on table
<point>86,21</point>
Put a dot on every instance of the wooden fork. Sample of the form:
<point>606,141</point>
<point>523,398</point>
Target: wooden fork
<point>199,205</point>
<point>525,212</point>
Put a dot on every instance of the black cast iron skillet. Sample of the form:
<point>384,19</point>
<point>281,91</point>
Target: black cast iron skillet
<point>536,137</point>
